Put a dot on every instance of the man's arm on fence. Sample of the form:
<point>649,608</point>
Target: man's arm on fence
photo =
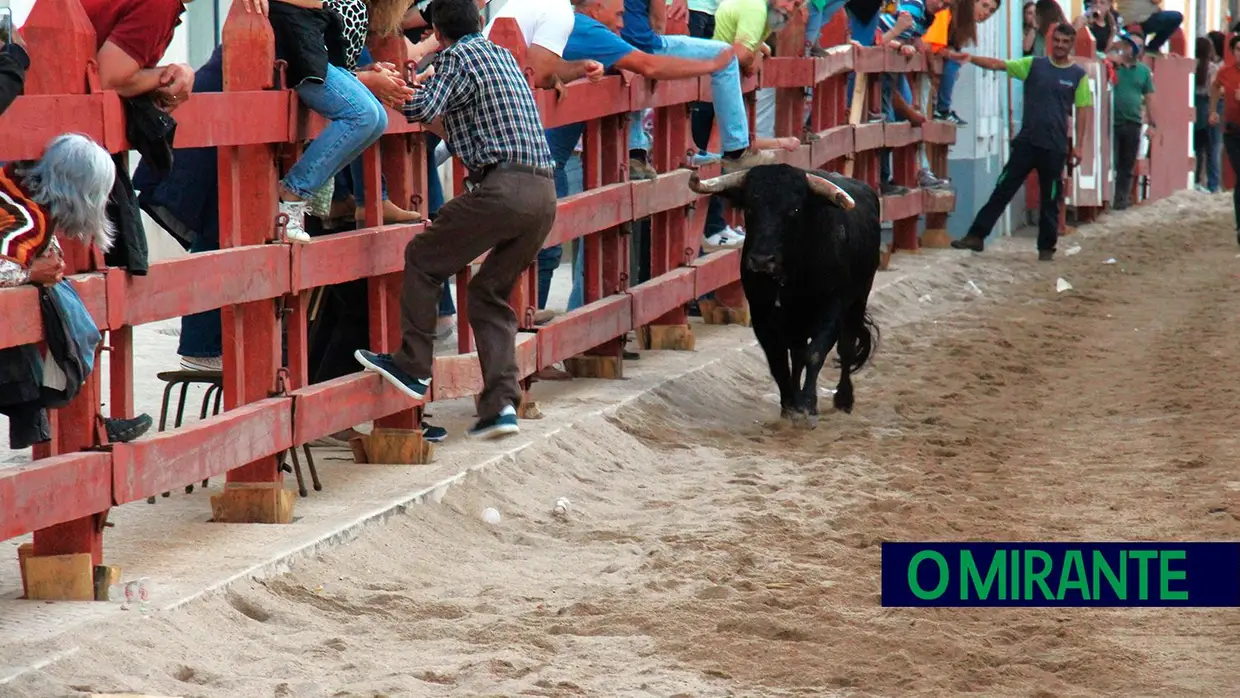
<point>669,68</point>
<point>1017,68</point>
<point>448,86</point>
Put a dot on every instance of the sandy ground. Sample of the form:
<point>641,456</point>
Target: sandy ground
<point>712,551</point>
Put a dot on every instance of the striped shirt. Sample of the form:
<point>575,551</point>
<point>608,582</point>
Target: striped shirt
<point>488,110</point>
<point>922,19</point>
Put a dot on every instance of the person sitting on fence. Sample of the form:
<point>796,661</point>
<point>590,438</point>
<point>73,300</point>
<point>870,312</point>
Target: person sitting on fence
<point>902,30</point>
<point>642,27</point>
<point>951,30</point>
<point>1225,97</point>
<point>491,120</point>
<point>65,191</point>
<point>1144,18</point>
<point>1133,94</point>
<point>595,36</point>
<point>361,18</point>
<point>1052,87</point>
<point>311,42</point>
<point>131,36</point>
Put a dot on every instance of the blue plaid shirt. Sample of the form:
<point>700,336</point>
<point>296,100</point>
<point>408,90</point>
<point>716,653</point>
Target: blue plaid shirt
<point>488,110</point>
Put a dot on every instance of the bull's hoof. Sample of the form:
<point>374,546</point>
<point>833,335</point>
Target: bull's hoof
<point>811,421</point>
<point>788,414</point>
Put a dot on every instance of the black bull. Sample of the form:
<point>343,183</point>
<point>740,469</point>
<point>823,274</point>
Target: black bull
<point>811,251</point>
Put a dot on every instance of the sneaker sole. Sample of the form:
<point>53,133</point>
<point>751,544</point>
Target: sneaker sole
<point>708,247</point>
<point>495,431</point>
<point>388,377</point>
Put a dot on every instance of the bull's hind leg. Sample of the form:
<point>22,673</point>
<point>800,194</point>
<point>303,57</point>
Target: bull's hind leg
<point>777,358</point>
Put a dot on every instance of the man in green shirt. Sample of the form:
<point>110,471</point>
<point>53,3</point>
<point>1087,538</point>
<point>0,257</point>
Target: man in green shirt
<point>1053,86</point>
<point>746,23</point>
<point>1134,89</point>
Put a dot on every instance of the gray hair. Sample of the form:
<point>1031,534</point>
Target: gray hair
<point>73,181</point>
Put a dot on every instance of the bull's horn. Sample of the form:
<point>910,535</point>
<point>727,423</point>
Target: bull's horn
<point>824,187</point>
<point>714,185</point>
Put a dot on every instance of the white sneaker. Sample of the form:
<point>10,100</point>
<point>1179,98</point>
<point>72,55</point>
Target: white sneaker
<point>725,239</point>
<point>202,363</point>
<point>295,229</point>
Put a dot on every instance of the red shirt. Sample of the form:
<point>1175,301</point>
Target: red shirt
<point>141,28</point>
<point>1228,79</point>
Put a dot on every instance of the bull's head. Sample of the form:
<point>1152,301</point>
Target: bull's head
<point>773,198</point>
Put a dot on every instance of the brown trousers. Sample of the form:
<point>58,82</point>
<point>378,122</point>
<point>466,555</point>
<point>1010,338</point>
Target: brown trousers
<point>508,213</point>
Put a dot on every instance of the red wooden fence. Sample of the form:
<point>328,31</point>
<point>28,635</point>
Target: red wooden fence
<point>64,496</point>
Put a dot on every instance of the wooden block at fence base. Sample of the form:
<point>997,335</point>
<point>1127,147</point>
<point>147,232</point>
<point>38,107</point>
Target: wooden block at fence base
<point>398,447</point>
<point>529,409</point>
<point>358,444</point>
<point>588,366</point>
<point>60,577</point>
<point>715,313</point>
<point>105,576</point>
<point>24,551</point>
<point>253,502</point>
<point>936,238</point>
<point>668,337</point>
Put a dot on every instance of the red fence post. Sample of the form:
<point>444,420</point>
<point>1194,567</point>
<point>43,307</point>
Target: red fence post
<point>61,43</point>
<point>254,493</point>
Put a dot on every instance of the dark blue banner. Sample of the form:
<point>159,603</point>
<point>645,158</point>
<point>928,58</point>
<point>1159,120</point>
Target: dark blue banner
<point>1061,574</point>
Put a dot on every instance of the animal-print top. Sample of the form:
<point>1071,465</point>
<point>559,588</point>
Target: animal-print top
<point>356,18</point>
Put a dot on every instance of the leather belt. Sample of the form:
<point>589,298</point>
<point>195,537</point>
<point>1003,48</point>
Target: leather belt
<point>475,177</point>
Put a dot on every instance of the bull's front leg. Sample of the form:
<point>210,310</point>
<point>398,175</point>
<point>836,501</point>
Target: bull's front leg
<point>820,345</point>
<point>798,369</point>
<point>776,352</point>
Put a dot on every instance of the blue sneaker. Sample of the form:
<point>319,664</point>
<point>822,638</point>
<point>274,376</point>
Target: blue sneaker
<point>432,433</point>
<point>503,424</point>
<point>382,364</point>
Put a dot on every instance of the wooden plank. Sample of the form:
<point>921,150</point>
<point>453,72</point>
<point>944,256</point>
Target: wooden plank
<point>335,259</point>
<point>900,133</point>
<point>206,280</point>
<point>870,59</point>
<point>648,94</point>
<point>583,101</point>
<point>668,191</point>
<point>49,491</point>
<point>903,206</point>
<point>654,298</point>
<point>832,144</point>
<point>715,270</point>
<point>591,211</point>
<point>938,132</point>
<point>341,403</point>
<point>173,459</point>
<point>938,201</point>
<point>210,119</point>
<point>460,375</point>
<point>868,137</point>
<point>584,328</point>
<point>32,121</point>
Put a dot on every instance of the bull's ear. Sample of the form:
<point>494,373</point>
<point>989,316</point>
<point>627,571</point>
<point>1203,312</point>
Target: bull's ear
<point>830,190</point>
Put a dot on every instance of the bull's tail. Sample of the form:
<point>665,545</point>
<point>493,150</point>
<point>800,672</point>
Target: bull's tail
<point>861,330</point>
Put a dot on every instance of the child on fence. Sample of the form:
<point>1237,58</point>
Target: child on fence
<point>952,30</point>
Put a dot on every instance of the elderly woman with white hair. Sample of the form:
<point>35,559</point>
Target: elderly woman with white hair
<point>65,191</point>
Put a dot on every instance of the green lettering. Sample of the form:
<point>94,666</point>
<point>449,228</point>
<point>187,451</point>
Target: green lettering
<point>1118,585</point>
<point>1073,564</point>
<point>1039,577</point>
<point>1015,576</point>
<point>1165,574</point>
<point>1143,573</point>
<point>969,575</point>
<point>944,575</point>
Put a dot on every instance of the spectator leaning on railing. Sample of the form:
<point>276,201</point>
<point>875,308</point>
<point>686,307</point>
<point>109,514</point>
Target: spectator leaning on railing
<point>491,120</point>
<point>131,36</point>
<point>65,191</point>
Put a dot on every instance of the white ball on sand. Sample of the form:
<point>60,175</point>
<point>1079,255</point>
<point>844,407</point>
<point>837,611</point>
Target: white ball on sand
<point>490,515</point>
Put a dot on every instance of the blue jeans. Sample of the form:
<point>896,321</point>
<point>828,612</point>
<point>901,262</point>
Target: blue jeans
<point>947,83</point>
<point>819,18</point>
<point>202,334</point>
<point>1162,25</point>
<point>702,26</point>
<point>562,141</point>
<point>357,121</point>
<point>725,87</point>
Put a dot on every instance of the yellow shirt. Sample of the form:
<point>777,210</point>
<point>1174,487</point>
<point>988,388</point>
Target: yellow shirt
<point>741,21</point>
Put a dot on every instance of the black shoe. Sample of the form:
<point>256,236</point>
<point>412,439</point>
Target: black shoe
<point>970,242</point>
<point>415,388</point>
<point>893,189</point>
<point>122,431</point>
<point>432,433</point>
<point>630,355</point>
<point>503,424</point>
<point>1046,255</point>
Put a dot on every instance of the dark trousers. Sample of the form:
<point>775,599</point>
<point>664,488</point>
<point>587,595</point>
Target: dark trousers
<point>702,121</point>
<point>1024,159</point>
<point>1231,144</point>
<point>509,214</point>
<point>1127,145</point>
<point>1162,25</point>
